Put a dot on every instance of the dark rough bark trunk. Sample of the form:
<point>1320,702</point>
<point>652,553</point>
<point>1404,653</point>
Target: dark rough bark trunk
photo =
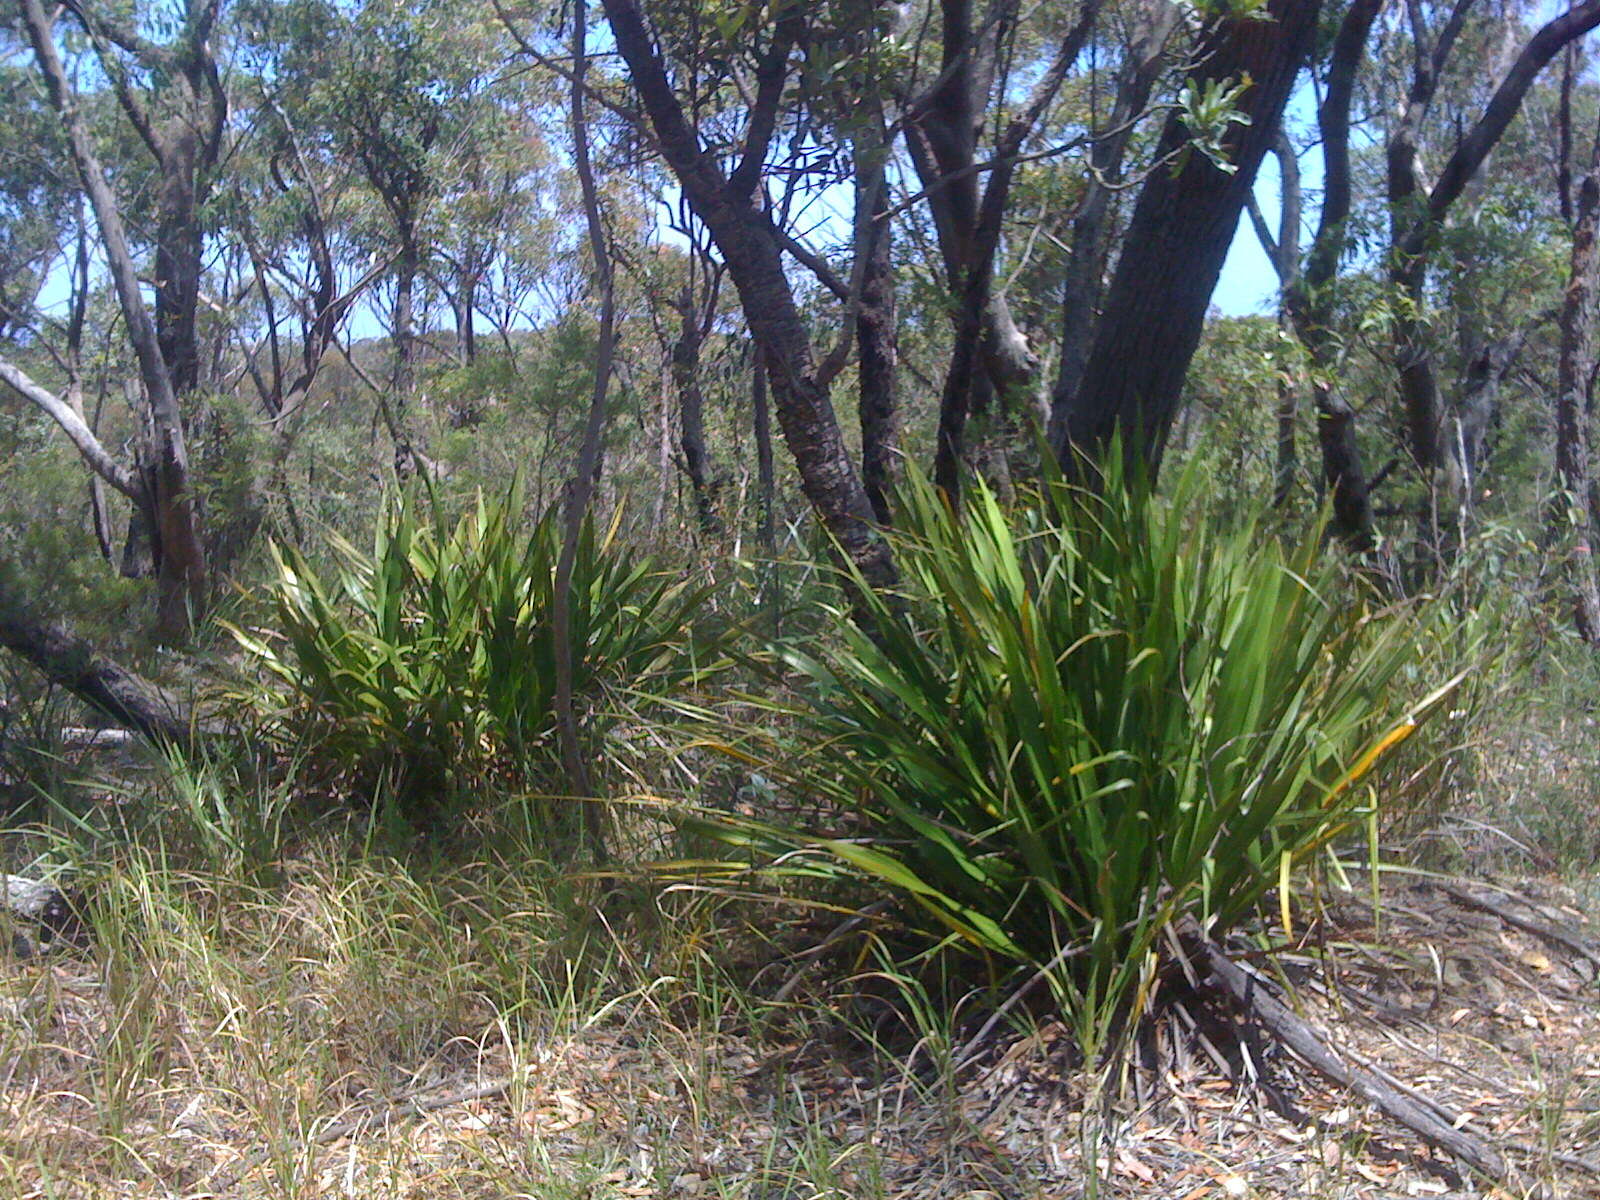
<point>752,252</point>
<point>1417,212</point>
<point>877,346</point>
<point>1568,508</point>
<point>990,364</point>
<point>766,484</point>
<point>69,662</point>
<point>1091,234</point>
<point>691,413</point>
<point>1177,239</point>
<point>1310,302</point>
<point>179,261</point>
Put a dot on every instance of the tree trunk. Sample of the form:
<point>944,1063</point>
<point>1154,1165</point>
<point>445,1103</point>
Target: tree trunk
<point>180,565</point>
<point>178,260</point>
<point>766,486</point>
<point>1086,261</point>
<point>1568,508</point>
<point>1417,212</point>
<point>1310,302</point>
<point>876,340</point>
<point>1179,234</point>
<point>407,266</point>
<point>691,413</point>
<point>663,447</point>
<point>579,782</point>
<point>751,249</point>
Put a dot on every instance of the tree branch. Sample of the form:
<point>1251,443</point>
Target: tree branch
<point>73,425</point>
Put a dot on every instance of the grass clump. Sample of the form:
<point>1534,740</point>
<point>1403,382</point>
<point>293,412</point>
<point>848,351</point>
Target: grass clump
<point>425,669</point>
<point>1088,717</point>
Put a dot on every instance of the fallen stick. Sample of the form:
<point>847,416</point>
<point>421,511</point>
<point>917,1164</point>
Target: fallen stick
<point>1251,994</point>
<point>1543,929</point>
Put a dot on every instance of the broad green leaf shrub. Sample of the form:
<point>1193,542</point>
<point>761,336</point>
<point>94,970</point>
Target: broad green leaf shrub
<point>424,671</point>
<point>1086,718</point>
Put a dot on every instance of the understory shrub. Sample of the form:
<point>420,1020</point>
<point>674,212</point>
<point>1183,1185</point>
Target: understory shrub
<point>426,669</point>
<point>1087,717</point>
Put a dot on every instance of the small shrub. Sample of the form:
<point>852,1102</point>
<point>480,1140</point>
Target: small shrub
<point>1087,718</point>
<point>426,668</point>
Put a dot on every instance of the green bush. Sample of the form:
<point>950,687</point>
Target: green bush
<point>1087,718</point>
<point>427,668</point>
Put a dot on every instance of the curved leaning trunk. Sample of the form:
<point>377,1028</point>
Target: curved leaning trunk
<point>751,251</point>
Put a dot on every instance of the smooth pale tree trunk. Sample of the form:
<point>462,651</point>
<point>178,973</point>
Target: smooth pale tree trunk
<point>1178,236</point>
<point>407,267</point>
<point>579,781</point>
<point>180,565</point>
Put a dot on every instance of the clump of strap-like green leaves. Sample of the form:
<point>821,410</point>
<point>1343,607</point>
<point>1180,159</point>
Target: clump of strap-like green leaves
<point>426,668</point>
<point>1088,716</point>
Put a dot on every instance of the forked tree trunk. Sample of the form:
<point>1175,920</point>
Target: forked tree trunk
<point>753,253</point>
<point>180,565</point>
<point>1179,234</point>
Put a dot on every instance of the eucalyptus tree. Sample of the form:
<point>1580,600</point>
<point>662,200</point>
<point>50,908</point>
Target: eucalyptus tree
<point>724,185</point>
<point>1182,224</point>
<point>1419,209</point>
<point>178,115</point>
<point>390,87</point>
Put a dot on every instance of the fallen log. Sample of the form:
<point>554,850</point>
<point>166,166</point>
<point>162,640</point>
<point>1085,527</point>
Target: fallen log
<point>1254,998</point>
<point>69,661</point>
<point>1550,932</point>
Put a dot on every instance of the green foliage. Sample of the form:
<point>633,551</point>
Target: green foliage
<point>427,667</point>
<point>1092,716</point>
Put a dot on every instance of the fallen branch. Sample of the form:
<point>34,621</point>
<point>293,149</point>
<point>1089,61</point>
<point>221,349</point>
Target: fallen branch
<point>1550,933</point>
<point>68,661</point>
<point>1251,994</point>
